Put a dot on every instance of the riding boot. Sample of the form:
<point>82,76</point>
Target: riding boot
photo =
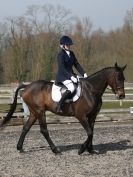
<point>62,101</point>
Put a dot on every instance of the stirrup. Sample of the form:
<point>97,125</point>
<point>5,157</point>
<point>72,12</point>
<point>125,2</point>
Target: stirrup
<point>59,110</point>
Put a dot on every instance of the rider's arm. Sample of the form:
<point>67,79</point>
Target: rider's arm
<point>78,66</point>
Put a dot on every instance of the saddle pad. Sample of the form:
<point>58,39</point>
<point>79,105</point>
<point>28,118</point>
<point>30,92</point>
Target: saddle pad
<point>56,93</point>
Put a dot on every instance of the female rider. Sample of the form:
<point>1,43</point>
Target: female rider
<point>65,75</point>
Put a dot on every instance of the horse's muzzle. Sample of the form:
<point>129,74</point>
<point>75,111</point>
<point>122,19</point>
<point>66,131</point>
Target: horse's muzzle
<point>120,94</point>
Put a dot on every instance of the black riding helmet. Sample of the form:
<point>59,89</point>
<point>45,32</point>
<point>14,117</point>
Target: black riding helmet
<point>66,40</point>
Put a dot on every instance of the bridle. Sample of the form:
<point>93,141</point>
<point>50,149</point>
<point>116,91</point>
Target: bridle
<point>118,85</point>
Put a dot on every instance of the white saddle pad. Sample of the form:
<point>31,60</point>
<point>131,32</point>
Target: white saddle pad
<point>56,93</point>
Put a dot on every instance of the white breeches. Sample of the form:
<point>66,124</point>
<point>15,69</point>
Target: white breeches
<point>69,84</point>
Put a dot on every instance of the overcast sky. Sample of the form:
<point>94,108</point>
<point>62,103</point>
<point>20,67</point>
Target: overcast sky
<point>107,14</point>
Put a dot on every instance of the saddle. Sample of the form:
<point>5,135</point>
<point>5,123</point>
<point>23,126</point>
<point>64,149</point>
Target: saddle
<point>58,90</point>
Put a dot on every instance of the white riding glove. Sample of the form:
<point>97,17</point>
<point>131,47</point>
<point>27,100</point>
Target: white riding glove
<point>74,79</point>
<point>85,75</point>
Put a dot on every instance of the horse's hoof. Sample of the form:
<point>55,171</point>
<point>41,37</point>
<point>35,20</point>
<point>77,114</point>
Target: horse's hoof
<point>21,151</point>
<point>56,151</point>
<point>80,151</point>
<point>19,148</point>
<point>92,152</point>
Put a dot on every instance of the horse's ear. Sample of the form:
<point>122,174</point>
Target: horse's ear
<point>124,67</point>
<point>116,65</point>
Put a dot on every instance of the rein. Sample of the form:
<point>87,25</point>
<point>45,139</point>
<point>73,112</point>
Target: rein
<point>115,87</point>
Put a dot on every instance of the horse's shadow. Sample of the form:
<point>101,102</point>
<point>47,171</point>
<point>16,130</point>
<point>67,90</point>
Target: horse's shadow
<point>101,148</point>
<point>113,146</point>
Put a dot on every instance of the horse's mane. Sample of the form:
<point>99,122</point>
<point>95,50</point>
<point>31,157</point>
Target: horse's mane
<point>92,75</point>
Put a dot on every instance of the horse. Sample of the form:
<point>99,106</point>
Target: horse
<point>37,96</point>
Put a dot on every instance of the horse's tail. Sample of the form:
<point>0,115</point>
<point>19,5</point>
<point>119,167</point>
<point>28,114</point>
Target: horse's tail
<point>13,106</point>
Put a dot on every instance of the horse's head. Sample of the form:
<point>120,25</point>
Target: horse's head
<point>117,81</point>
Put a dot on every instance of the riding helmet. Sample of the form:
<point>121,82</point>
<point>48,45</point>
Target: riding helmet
<point>66,40</point>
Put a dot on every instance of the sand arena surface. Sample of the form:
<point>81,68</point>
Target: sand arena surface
<point>113,140</point>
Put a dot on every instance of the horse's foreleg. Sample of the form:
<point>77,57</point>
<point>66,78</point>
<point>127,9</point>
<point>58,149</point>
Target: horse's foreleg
<point>90,138</point>
<point>25,130</point>
<point>91,121</point>
<point>84,122</point>
<point>44,131</point>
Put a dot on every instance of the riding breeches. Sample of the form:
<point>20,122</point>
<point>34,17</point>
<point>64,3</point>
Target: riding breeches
<point>69,84</point>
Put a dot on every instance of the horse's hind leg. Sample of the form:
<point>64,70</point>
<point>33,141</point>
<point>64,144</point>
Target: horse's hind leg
<point>44,131</point>
<point>25,130</point>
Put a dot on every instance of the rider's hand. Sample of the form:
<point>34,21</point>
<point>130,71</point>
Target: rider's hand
<point>85,75</point>
<point>74,79</point>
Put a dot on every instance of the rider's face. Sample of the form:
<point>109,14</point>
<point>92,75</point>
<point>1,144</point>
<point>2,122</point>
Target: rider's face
<point>67,47</point>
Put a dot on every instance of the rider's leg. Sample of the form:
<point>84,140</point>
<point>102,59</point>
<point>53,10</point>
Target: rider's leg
<point>70,89</point>
<point>65,95</point>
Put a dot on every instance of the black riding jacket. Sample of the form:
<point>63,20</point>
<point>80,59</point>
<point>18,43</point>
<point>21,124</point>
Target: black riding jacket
<point>65,66</point>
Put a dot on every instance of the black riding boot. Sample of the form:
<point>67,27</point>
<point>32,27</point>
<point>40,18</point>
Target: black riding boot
<point>65,95</point>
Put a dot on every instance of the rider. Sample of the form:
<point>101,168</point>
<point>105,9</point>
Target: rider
<point>65,75</point>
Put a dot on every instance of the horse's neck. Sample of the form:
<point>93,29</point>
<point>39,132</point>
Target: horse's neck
<point>98,82</point>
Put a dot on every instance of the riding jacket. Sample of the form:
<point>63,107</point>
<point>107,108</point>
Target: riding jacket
<point>65,66</point>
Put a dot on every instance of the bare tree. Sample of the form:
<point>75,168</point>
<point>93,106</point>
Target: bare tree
<point>29,45</point>
<point>81,34</point>
<point>18,49</point>
<point>48,22</point>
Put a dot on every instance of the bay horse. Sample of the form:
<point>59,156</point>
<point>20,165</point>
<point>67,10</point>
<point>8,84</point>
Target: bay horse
<point>37,96</point>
